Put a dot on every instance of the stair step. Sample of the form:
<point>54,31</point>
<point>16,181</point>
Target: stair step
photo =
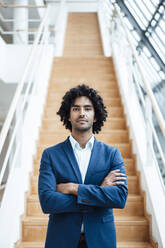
<point>88,61</point>
<point>133,185</point>
<point>70,83</point>
<point>133,245</point>
<point>105,94</point>
<point>84,77</point>
<point>134,206</point>
<point>128,228</point>
<point>54,102</point>
<point>92,69</point>
<point>106,136</point>
<point>119,245</point>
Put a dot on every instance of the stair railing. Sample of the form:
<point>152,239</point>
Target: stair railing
<point>12,20</point>
<point>137,70</point>
<point>14,174</point>
<point>114,22</point>
<point>18,32</point>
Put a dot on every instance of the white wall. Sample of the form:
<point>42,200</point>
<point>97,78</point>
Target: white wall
<point>13,61</point>
<point>82,5</point>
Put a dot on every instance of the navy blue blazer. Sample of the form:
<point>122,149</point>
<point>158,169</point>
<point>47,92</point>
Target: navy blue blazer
<point>94,203</point>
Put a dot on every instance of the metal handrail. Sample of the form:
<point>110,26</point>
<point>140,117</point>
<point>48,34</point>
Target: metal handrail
<point>12,20</point>
<point>22,6</point>
<point>155,106</point>
<point>29,31</point>
<point>16,97</point>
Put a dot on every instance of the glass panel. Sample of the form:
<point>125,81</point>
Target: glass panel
<point>143,22</point>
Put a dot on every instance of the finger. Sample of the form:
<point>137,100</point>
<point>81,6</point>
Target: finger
<point>120,174</point>
<point>114,171</point>
<point>120,178</point>
<point>118,182</point>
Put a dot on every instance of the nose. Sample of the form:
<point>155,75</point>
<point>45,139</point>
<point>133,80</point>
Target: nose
<point>82,112</point>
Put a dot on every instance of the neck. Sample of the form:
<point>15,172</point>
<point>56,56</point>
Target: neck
<point>82,138</point>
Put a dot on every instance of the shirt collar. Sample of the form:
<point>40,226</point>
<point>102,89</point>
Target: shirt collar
<point>75,144</point>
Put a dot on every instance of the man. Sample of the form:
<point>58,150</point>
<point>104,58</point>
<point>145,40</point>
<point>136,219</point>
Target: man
<point>81,179</point>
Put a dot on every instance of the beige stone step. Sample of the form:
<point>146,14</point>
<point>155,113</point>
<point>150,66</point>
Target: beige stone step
<point>57,87</point>
<point>111,93</point>
<point>133,185</point>
<point>108,136</point>
<point>119,245</point>
<point>83,66</point>
<point>29,244</point>
<point>91,61</point>
<point>55,102</point>
<point>84,77</point>
<point>92,66</point>
<point>65,83</point>
<point>128,228</point>
<point>133,245</point>
<point>134,206</point>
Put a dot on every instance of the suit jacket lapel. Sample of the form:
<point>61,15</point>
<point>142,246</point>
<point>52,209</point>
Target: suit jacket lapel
<point>94,161</point>
<point>73,161</point>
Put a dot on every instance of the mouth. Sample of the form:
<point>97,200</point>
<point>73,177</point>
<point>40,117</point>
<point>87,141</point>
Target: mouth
<point>82,120</point>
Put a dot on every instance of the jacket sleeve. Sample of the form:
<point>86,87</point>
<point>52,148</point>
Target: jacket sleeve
<point>105,196</point>
<point>51,201</point>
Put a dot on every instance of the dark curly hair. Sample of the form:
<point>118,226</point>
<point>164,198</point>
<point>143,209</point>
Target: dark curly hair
<point>97,101</point>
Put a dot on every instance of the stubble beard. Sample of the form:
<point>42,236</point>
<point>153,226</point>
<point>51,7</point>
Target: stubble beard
<point>82,129</point>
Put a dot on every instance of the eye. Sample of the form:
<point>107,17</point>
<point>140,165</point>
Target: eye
<point>88,109</point>
<point>75,109</point>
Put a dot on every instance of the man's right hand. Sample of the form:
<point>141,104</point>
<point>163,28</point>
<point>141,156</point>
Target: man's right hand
<point>114,178</point>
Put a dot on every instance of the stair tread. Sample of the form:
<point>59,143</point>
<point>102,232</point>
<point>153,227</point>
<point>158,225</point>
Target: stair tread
<point>130,244</point>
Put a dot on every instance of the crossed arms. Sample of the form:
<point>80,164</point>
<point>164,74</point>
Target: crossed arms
<point>113,178</point>
<point>71,197</point>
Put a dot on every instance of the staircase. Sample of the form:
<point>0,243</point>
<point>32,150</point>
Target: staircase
<point>83,62</point>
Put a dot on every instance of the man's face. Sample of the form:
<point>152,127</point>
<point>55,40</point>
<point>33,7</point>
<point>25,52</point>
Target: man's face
<point>82,114</point>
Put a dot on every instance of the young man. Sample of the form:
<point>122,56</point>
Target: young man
<point>81,179</point>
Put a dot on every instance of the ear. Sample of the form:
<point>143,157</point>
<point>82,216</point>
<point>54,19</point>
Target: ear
<point>94,120</point>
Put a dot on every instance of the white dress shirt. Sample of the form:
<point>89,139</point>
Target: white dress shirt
<point>83,157</point>
<point>82,154</point>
